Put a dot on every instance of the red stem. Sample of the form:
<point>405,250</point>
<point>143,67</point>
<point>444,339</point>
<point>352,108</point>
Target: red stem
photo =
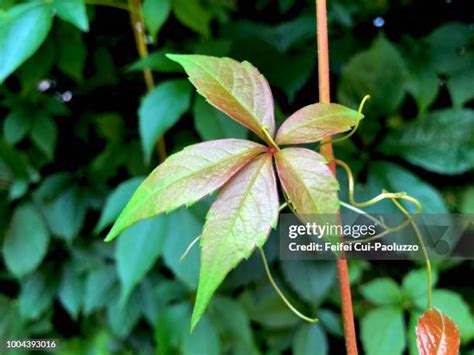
<point>327,152</point>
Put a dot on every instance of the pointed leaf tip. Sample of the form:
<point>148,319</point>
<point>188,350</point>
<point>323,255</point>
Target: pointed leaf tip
<point>437,334</point>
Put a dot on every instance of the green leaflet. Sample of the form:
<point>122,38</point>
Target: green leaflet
<point>239,220</point>
<point>155,14</point>
<point>73,11</point>
<point>160,109</point>
<point>383,331</point>
<point>26,241</point>
<point>441,141</point>
<point>184,178</point>
<point>311,123</point>
<point>379,72</point>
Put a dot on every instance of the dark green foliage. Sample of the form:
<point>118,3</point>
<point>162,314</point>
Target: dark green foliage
<point>78,133</point>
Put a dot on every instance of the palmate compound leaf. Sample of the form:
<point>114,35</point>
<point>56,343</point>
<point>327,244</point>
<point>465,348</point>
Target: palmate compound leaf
<point>239,220</point>
<point>237,89</point>
<point>313,122</point>
<point>184,178</point>
<point>307,181</point>
<point>437,334</point>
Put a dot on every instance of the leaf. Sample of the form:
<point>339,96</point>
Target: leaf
<point>184,178</point>
<point>382,291</point>
<point>71,291</point>
<point>453,306</point>
<point>160,110</point>
<point>460,85</point>
<point>203,340</point>
<point>213,124</point>
<point>157,61</point>
<point>415,285</point>
<point>183,228</point>
<point>310,340</point>
<point>122,318</point>
<point>266,308</point>
<point>313,281</point>
<point>44,134</point>
<point>36,296</point>
<point>137,251</point>
<point>437,334</point>
<point>171,327</point>
<point>237,89</point>
<point>379,72</point>
<point>331,321</point>
<point>65,211</point>
<point>311,123</point>
<point>193,15</point>
<point>71,51</point>
<point>26,241</point>
<point>15,127</point>
<point>14,162</point>
<point>98,285</point>
<point>239,220</point>
<point>73,11</point>
<point>422,80</point>
<point>442,141</point>
<point>231,319</point>
<point>22,30</point>
<point>155,13</point>
<point>116,201</point>
<point>383,332</point>
<point>448,44</point>
<point>307,181</point>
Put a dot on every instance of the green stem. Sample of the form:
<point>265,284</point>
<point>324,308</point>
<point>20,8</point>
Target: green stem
<point>280,293</point>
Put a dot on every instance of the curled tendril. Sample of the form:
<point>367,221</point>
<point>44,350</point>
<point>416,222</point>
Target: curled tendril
<point>394,197</point>
<point>354,129</point>
<point>280,293</point>
<point>270,277</point>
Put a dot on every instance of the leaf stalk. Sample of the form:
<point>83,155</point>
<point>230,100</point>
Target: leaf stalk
<point>280,292</point>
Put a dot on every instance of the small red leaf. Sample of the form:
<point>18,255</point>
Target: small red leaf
<point>437,334</point>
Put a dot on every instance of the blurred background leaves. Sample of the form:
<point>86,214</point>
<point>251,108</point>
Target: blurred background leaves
<point>79,132</point>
